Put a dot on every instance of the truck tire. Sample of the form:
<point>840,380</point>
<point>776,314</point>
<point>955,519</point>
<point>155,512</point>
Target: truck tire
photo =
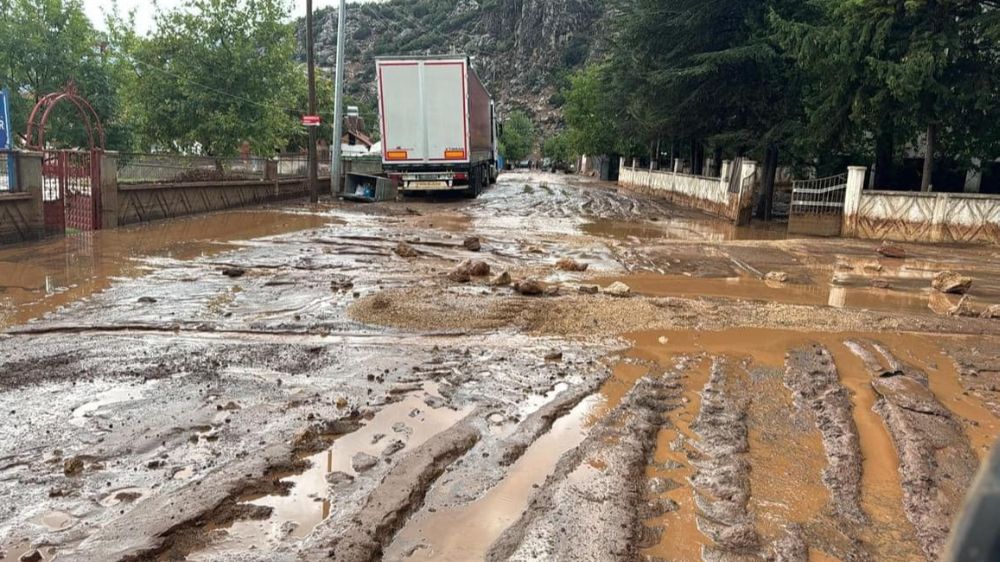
<point>475,183</point>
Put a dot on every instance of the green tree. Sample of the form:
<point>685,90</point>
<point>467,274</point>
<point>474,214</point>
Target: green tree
<point>45,44</point>
<point>518,138</point>
<point>557,148</point>
<point>590,114</point>
<point>214,74</point>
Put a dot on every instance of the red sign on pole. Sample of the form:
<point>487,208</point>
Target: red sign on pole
<point>311,120</point>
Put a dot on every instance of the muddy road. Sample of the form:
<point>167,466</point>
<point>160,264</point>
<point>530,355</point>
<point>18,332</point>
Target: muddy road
<point>556,371</point>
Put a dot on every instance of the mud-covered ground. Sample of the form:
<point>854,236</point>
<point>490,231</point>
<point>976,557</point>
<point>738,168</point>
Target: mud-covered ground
<point>341,383</point>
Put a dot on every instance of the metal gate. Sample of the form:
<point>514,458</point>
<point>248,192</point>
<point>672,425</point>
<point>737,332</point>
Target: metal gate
<point>817,206</point>
<point>71,190</point>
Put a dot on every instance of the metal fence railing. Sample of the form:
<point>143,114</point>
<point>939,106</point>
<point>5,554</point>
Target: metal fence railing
<point>170,168</point>
<point>7,175</point>
<point>819,196</point>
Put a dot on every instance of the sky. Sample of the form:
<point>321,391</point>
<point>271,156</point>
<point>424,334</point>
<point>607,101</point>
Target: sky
<point>144,9</point>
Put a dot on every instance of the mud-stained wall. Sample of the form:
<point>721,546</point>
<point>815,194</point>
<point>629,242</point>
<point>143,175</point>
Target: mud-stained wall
<point>21,216</point>
<point>141,203</point>
<point>710,195</point>
<point>921,217</point>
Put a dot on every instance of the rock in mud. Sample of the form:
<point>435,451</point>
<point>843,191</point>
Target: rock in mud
<point>589,289</point>
<point>812,376</point>
<point>963,308</point>
<point>570,264</point>
<point>234,272</point>
<point>777,277</point>
<point>146,300</point>
<point>73,466</point>
<point>469,269</point>
<point>405,250</point>
<point>501,280</point>
<point>362,462</point>
<point>459,275</point>
<point>992,312</point>
<point>617,289</point>
<point>529,287</point>
<point>393,447</point>
<point>553,357</point>
<point>951,283</point>
<point>473,244</point>
<point>339,478</point>
<point>33,556</point>
<point>891,251</point>
<point>880,284</point>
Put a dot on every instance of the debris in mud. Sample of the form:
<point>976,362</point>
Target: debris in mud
<point>570,264</point>
<point>777,277</point>
<point>963,308</point>
<point>554,357</point>
<point>880,284</point>
<point>234,272</point>
<point>469,269</point>
<point>617,289</point>
<point>405,250</point>
<point>501,280</point>
<point>472,243</point>
<point>589,289</point>
<point>393,447</point>
<point>363,461</point>
<point>891,251</point>
<point>992,311</point>
<point>146,300</point>
<point>529,287</point>
<point>339,478</point>
<point>73,466</point>
<point>33,556</point>
<point>953,283</point>
<point>341,285</point>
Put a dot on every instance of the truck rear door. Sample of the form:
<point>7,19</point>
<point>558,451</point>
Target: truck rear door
<point>424,110</point>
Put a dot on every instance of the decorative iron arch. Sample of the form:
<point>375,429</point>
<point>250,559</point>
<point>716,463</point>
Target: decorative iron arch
<point>39,118</point>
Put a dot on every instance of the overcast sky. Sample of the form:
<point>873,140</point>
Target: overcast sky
<point>144,9</point>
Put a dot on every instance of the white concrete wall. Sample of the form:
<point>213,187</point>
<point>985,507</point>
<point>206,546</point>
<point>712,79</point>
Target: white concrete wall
<point>919,217</point>
<point>700,192</point>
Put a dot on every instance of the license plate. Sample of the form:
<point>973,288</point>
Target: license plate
<point>428,184</point>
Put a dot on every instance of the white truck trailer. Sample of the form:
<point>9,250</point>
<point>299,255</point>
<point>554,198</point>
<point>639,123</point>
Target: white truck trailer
<point>439,130</point>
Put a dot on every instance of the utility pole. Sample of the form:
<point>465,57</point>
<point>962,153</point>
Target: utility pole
<point>338,105</point>
<point>311,66</point>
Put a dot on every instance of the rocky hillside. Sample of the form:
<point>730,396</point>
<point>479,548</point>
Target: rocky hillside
<point>522,49</point>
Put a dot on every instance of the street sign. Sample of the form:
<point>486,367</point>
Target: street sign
<point>311,120</point>
<point>5,140</point>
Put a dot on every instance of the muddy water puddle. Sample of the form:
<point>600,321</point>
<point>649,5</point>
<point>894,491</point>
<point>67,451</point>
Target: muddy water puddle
<point>466,532</point>
<point>744,288</point>
<point>682,228</point>
<point>401,427</point>
<point>787,456</point>
<point>39,277</point>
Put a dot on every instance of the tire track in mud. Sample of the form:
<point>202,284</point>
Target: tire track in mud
<point>937,464</point>
<point>589,508</point>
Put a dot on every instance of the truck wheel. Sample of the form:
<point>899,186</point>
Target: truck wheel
<point>474,184</point>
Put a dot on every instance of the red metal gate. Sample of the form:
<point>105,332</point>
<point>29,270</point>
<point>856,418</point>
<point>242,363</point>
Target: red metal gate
<point>71,190</point>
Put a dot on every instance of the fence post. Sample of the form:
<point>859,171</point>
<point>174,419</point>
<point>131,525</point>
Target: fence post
<point>28,167</point>
<point>852,200</point>
<point>109,190</point>
<point>941,203</point>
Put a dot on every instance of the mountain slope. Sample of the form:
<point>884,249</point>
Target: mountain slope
<point>521,48</point>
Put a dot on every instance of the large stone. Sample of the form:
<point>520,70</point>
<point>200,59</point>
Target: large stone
<point>404,250</point>
<point>362,462</point>
<point>617,289</point>
<point>469,269</point>
<point>951,283</point>
<point>529,287</point>
<point>472,243</point>
<point>891,251</point>
<point>501,280</point>
<point>570,264</point>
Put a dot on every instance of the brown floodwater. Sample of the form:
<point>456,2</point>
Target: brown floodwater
<point>683,228</point>
<point>745,288</point>
<point>787,463</point>
<point>36,278</point>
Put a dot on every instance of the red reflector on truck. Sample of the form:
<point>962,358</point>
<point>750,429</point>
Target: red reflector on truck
<point>397,155</point>
<point>461,176</point>
<point>454,154</point>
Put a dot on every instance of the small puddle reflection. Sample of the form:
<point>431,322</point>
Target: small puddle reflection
<point>466,532</point>
<point>409,421</point>
<point>683,228</point>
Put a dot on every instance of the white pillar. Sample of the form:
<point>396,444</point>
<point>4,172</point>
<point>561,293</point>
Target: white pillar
<point>974,177</point>
<point>852,200</point>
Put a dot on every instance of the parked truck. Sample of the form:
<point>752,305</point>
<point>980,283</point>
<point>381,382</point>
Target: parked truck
<point>439,125</point>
